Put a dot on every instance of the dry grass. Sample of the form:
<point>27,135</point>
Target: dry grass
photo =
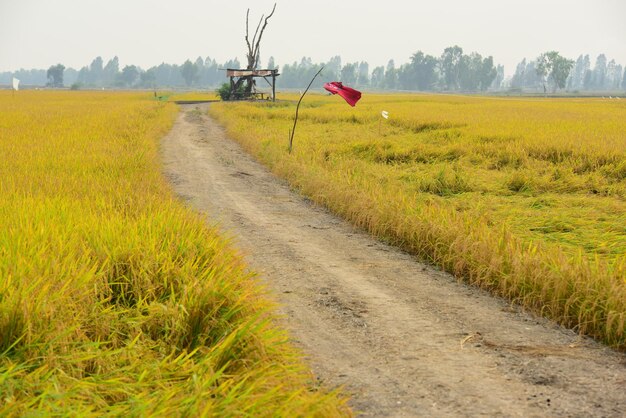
<point>521,196</point>
<point>115,299</point>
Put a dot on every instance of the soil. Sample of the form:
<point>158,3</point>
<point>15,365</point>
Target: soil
<point>402,338</point>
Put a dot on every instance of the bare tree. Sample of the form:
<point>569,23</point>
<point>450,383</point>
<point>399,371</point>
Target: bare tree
<point>254,49</point>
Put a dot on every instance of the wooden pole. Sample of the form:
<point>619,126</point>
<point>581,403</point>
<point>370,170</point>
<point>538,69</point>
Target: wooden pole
<point>295,120</point>
<point>273,85</point>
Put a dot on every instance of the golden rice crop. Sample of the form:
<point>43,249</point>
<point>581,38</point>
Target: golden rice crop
<point>521,196</point>
<point>193,95</point>
<point>115,298</point>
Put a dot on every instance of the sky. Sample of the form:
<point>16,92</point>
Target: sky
<point>37,34</point>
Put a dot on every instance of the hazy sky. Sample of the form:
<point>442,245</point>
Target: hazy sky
<point>37,34</point>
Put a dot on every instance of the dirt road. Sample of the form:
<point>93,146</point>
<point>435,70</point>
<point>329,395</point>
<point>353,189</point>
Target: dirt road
<point>404,338</point>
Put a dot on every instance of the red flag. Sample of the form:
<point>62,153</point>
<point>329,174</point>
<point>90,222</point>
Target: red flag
<point>350,95</point>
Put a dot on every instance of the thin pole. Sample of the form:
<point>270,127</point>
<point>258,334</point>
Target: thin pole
<point>295,120</point>
<point>274,85</point>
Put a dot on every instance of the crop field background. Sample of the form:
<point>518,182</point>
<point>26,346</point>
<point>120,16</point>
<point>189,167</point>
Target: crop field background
<point>525,197</point>
<point>114,297</point>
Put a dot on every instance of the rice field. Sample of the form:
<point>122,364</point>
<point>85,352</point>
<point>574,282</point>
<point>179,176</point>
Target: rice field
<point>524,197</point>
<point>115,299</point>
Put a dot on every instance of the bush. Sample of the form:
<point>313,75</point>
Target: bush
<point>224,92</point>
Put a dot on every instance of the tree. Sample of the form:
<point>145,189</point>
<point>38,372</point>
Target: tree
<point>618,78</point>
<point>531,78</point>
<point>253,55</point>
<point>378,77</point>
<point>363,76</point>
<point>391,75</point>
<point>83,75</point>
<point>421,72</point>
<point>349,73</point>
<point>613,76</point>
<point>577,76</point>
<point>55,75</point>
<point>271,65</point>
<point>488,73</point>
<point>450,63</point>
<point>599,72</point>
<point>129,75</point>
<point>470,67</point>
<point>517,81</point>
<point>110,71</point>
<point>554,68</point>
<point>332,70</point>
<point>148,78</point>
<point>624,81</point>
<point>189,72</point>
<point>498,81</point>
<point>95,71</point>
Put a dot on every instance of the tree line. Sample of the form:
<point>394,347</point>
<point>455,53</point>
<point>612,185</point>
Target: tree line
<point>453,71</point>
<point>575,76</point>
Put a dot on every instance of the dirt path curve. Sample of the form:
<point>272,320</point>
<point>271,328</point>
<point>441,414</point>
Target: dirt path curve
<point>404,338</point>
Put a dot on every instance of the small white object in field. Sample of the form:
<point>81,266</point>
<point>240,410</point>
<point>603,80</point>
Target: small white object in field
<point>385,114</point>
<point>16,84</point>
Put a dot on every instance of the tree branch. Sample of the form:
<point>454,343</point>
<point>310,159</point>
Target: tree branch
<point>258,42</point>
<point>247,40</point>
<point>295,119</point>
<point>257,29</point>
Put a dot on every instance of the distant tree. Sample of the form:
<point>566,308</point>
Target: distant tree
<point>70,76</point>
<point>95,71</point>
<point>111,71</point>
<point>470,67</point>
<point>498,81</point>
<point>476,72</point>
<point>200,64</point>
<point>83,75</point>
<point>148,78</point>
<point>363,74</point>
<point>553,68</point>
<point>532,80</point>
<point>421,71</point>
<point>613,76</point>
<point>212,74</point>
<point>271,65</point>
<point>618,77</point>
<point>163,73</point>
<point>129,75</point>
<point>378,77</point>
<point>349,73</point>
<point>577,76</point>
<point>517,81</point>
<point>624,81</point>
<point>450,64</point>
<point>332,70</point>
<point>599,72</point>
<point>588,80</point>
<point>233,63</point>
<point>391,75</point>
<point>55,75</point>
<point>189,71</point>
<point>488,73</point>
